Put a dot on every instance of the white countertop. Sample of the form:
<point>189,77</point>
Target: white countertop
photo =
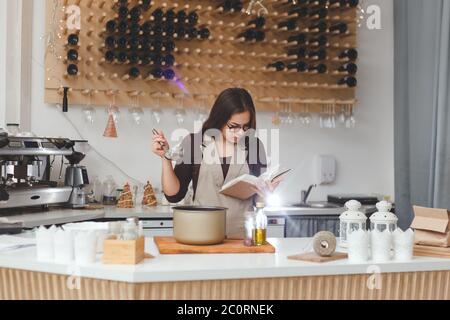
<point>185,267</point>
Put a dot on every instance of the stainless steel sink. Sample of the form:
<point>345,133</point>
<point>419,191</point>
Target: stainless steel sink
<point>310,208</point>
<point>317,205</point>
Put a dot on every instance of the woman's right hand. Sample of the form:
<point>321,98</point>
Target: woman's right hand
<point>160,144</point>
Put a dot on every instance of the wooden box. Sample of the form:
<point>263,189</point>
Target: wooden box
<point>123,251</point>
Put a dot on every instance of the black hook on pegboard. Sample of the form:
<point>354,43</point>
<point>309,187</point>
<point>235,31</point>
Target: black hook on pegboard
<point>65,106</point>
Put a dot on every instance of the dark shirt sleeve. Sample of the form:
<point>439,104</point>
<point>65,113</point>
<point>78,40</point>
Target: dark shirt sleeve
<point>183,171</point>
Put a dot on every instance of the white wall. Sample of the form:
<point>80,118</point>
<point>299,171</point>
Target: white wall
<point>2,62</point>
<point>365,154</point>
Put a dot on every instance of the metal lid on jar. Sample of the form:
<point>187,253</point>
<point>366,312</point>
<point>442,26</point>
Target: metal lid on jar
<point>260,205</point>
<point>383,214</point>
<point>353,213</point>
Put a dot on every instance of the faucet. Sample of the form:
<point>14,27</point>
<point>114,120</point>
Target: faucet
<point>305,193</point>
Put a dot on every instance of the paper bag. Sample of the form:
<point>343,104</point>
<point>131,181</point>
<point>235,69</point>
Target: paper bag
<point>432,227</point>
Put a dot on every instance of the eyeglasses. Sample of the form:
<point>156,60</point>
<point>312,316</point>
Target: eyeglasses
<point>237,127</point>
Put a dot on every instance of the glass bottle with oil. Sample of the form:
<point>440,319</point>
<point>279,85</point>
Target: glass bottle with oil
<point>260,231</point>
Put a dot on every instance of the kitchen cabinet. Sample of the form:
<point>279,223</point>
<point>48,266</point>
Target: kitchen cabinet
<point>276,227</point>
<point>308,226</point>
<point>158,227</point>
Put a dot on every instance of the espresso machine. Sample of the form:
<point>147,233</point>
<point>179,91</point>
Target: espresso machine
<point>26,165</point>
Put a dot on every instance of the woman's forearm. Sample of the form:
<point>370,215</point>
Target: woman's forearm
<point>170,182</point>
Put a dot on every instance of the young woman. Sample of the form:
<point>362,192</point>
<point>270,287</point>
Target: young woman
<point>225,149</point>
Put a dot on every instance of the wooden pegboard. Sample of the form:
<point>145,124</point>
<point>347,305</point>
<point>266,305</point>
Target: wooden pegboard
<point>203,67</point>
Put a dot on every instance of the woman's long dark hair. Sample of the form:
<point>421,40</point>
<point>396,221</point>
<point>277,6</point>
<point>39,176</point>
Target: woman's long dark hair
<point>230,102</point>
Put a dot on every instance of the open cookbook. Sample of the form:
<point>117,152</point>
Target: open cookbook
<point>243,187</point>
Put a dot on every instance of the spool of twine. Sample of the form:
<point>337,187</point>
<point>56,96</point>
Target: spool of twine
<point>324,243</point>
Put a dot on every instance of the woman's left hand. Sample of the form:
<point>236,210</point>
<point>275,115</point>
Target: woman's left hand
<point>272,185</point>
<point>268,187</point>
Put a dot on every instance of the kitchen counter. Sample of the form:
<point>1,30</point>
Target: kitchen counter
<point>230,276</point>
<point>62,215</point>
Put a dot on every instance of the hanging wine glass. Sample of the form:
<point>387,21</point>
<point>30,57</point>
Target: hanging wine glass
<point>342,114</point>
<point>322,117</point>
<point>116,114</point>
<point>113,109</point>
<point>308,116</point>
<point>180,112</point>
<point>284,114</point>
<point>350,121</point>
<point>111,130</point>
<point>290,115</point>
<point>89,111</point>
<point>156,111</point>
<point>304,116</point>
<point>301,115</point>
<point>329,113</point>
<point>333,115</point>
<point>89,115</point>
<point>352,117</point>
<point>202,114</point>
<point>137,113</point>
<point>179,116</point>
<point>276,116</point>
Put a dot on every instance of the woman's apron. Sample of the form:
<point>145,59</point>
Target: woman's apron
<point>211,180</point>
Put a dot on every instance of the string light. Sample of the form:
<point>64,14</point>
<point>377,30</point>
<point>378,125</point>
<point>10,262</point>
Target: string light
<point>262,9</point>
<point>360,13</point>
<point>51,36</point>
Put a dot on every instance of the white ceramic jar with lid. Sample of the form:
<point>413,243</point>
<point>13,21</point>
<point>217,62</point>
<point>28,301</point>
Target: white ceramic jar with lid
<point>351,220</point>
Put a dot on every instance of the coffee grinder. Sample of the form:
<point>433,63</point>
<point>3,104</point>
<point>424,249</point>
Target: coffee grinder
<point>77,178</point>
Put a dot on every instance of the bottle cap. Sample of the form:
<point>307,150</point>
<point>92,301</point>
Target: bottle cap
<point>260,205</point>
<point>134,220</point>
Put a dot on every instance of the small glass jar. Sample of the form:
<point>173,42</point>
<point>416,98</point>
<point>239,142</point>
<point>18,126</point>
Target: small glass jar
<point>249,229</point>
<point>13,129</point>
<point>109,191</point>
<point>115,228</point>
<point>130,231</point>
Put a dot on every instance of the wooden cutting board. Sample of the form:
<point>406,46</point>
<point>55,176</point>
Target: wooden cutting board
<point>313,257</point>
<point>93,206</point>
<point>428,251</point>
<point>168,245</point>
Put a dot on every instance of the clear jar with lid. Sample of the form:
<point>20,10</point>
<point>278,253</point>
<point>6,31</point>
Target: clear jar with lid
<point>109,191</point>
<point>249,228</point>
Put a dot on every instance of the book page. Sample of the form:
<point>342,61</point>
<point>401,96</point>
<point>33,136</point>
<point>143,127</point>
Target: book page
<point>245,177</point>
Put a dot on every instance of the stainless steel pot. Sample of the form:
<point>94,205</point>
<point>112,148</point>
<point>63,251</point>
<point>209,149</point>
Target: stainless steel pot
<point>199,225</point>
